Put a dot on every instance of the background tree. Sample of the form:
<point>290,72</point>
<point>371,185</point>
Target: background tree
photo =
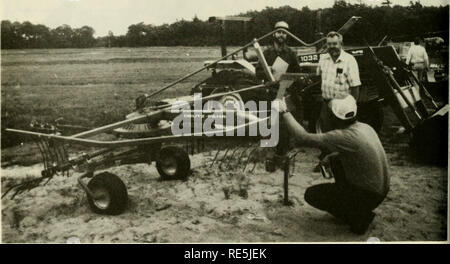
<point>378,21</point>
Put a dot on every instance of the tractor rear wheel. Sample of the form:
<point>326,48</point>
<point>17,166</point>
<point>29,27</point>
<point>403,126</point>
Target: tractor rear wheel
<point>110,194</point>
<point>173,163</point>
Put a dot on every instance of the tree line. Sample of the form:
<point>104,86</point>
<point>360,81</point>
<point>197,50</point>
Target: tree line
<point>378,22</point>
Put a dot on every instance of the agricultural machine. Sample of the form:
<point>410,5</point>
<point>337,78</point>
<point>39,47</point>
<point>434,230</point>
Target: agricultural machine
<point>436,44</point>
<point>145,136</point>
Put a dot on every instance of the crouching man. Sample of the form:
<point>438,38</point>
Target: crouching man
<point>359,165</point>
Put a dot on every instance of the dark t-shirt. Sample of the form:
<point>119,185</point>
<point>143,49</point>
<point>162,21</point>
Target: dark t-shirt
<point>287,54</point>
<point>362,156</point>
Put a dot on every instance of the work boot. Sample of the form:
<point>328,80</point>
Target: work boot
<point>361,224</point>
<point>317,168</point>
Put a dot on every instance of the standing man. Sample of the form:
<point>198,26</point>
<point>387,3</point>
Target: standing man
<point>358,163</point>
<point>277,56</point>
<point>279,53</point>
<point>281,59</point>
<point>417,58</point>
<point>340,75</point>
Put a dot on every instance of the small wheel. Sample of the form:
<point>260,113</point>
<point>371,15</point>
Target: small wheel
<point>173,163</point>
<point>230,101</point>
<point>110,194</point>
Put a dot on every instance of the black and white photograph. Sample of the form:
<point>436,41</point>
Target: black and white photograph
<point>224,121</point>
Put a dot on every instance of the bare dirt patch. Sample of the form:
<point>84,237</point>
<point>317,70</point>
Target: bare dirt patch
<point>214,206</point>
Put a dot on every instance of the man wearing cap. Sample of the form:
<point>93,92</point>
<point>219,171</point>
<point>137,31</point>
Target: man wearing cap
<point>339,73</point>
<point>280,50</point>
<point>358,163</point>
<point>278,55</point>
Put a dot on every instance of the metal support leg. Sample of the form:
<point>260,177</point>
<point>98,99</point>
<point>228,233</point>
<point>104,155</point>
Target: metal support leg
<point>286,164</point>
<point>88,174</point>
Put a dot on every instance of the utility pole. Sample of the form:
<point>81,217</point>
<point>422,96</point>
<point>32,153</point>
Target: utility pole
<point>110,36</point>
<point>222,28</point>
<point>387,3</point>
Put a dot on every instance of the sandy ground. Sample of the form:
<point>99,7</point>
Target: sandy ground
<point>197,210</point>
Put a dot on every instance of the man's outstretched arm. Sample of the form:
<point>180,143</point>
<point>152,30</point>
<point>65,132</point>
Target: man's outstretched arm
<point>296,129</point>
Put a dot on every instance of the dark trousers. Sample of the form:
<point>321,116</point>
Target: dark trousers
<point>324,118</point>
<point>342,200</point>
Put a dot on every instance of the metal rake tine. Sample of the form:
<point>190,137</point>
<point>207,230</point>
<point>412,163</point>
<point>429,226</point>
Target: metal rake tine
<point>60,158</point>
<point>248,157</point>
<point>255,162</point>
<point>293,159</point>
<point>10,188</point>
<point>27,185</point>
<point>54,146</point>
<point>224,157</point>
<point>46,153</point>
<point>232,155</point>
<point>254,166</point>
<point>66,156</point>
<point>42,153</point>
<point>48,180</point>
<point>50,151</point>
<point>229,157</point>
<point>242,154</point>
<point>215,158</point>
<point>20,189</point>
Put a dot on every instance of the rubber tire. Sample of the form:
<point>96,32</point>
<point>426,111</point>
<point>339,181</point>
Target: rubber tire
<point>235,97</point>
<point>183,163</point>
<point>224,98</point>
<point>116,190</point>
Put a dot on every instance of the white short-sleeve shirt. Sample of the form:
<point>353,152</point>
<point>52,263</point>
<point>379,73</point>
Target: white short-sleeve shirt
<point>417,54</point>
<point>338,76</point>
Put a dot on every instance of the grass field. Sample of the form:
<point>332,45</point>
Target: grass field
<point>90,87</point>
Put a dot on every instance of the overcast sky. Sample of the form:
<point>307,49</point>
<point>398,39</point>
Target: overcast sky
<point>117,15</point>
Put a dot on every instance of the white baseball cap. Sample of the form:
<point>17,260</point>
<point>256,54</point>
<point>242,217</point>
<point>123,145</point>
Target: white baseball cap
<point>344,108</point>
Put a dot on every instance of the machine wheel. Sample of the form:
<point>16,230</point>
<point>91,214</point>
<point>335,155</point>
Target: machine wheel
<point>234,100</point>
<point>173,163</point>
<point>110,193</point>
